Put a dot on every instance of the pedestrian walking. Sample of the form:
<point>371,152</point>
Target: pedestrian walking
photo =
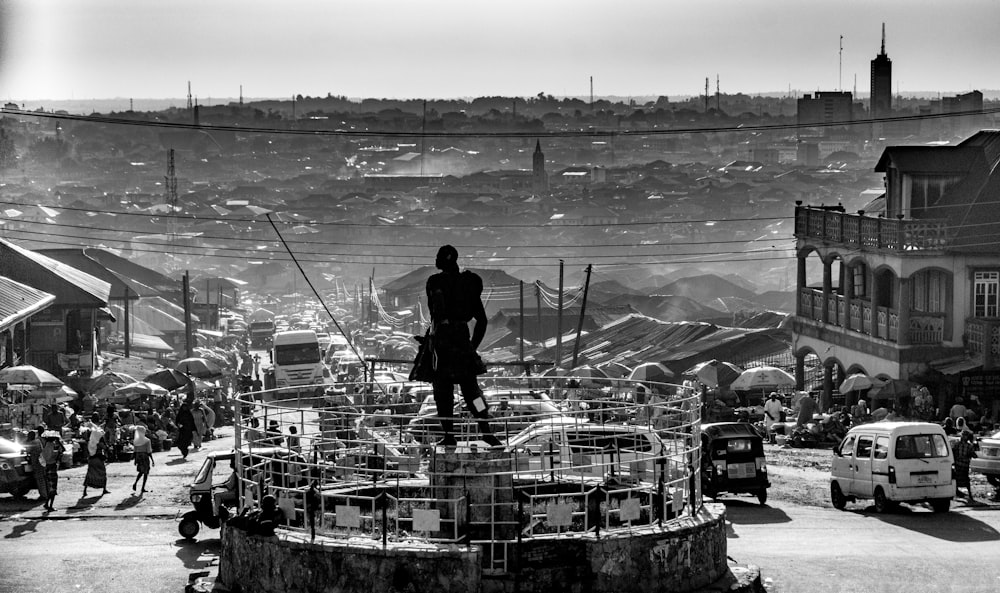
<point>964,450</point>
<point>772,412</point>
<point>454,299</point>
<point>33,449</point>
<point>52,450</point>
<point>143,457</point>
<point>97,454</point>
<point>198,413</point>
<point>185,429</point>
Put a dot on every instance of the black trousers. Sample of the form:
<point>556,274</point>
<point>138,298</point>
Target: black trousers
<point>444,399</point>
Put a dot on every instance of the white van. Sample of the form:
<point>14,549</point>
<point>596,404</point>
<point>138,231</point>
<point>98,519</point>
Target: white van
<point>893,462</point>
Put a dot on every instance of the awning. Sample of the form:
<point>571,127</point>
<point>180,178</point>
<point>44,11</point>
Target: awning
<point>958,366</point>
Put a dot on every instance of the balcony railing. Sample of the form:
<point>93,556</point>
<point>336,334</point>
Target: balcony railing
<point>879,322</point>
<point>895,234</point>
<point>982,335</point>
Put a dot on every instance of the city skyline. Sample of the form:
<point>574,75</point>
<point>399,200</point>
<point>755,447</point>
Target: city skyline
<point>102,49</point>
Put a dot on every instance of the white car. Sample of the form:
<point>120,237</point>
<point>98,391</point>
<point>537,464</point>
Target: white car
<point>574,446</point>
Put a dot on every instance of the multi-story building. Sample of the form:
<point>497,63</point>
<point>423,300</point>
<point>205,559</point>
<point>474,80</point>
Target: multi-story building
<point>911,288</point>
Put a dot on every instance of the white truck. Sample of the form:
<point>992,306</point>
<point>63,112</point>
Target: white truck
<point>298,362</point>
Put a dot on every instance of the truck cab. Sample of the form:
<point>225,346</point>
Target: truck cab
<point>298,362</point>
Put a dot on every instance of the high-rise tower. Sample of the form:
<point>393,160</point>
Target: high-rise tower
<point>881,99</point>
<point>540,180</point>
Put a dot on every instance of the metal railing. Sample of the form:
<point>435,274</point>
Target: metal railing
<point>580,455</point>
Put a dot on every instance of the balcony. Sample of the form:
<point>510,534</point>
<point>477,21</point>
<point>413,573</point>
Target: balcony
<point>879,322</point>
<point>870,232</point>
<point>982,338</point>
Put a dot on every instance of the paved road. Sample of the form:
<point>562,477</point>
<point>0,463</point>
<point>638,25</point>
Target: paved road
<point>819,550</point>
<point>119,555</point>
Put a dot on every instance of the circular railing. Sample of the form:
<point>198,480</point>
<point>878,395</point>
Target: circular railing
<point>578,454</point>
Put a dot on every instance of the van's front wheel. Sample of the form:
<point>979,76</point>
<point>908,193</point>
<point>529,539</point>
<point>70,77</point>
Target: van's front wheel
<point>941,505</point>
<point>882,504</point>
<point>837,497</point>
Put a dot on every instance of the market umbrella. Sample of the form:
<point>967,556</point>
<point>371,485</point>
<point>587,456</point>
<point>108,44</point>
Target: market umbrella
<point>590,376</point>
<point>52,394</point>
<point>762,377</point>
<point>653,375</point>
<point>139,389</point>
<point>198,367</point>
<point>615,370</point>
<point>715,372</point>
<point>168,379</point>
<point>891,389</point>
<point>110,378</point>
<point>28,375</point>
<point>855,382</point>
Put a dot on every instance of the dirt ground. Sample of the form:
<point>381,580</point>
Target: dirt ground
<point>802,476</point>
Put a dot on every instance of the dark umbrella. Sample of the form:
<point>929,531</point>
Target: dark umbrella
<point>892,389</point>
<point>168,379</point>
<point>199,367</point>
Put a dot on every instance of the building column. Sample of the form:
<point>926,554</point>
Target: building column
<point>903,307</point>
<point>826,397</point>
<point>873,328</point>
<point>800,372</point>
<point>800,283</point>
<point>848,288</point>
<point>827,282</point>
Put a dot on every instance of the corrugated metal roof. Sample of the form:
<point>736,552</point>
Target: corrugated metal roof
<point>70,285</point>
<point>19,301</point>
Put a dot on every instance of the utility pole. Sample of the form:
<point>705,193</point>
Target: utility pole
<point>520,355</point>
<point>538,309</point>
<point>706,94</point>
<point>559,313</point>
<point>583,309</point>
<point>188,327</point>
<point>591,93</point>
<point>128,330</point>
<point>170,181</point>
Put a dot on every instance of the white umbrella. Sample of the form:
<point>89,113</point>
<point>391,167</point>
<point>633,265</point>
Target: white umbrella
<point>855,382</point>
<point>762,377</point>
<point>28,375</point>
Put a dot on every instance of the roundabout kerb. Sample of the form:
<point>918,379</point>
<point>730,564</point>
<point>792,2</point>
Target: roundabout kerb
<point>591,487</point>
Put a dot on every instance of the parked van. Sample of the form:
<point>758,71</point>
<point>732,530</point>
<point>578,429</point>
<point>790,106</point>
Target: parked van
<point>893,462</point>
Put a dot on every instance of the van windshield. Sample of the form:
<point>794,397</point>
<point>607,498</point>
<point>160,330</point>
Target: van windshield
<point>920,446</point>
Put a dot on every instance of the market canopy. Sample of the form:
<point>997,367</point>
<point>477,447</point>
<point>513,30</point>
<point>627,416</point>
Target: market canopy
<point>28,375</point>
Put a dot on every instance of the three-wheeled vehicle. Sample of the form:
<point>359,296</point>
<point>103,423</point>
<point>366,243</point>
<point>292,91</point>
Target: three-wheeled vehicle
<point>278,466</point>
<point>732,460</point>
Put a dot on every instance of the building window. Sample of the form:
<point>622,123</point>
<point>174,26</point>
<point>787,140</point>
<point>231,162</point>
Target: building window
<point>985,291</point>
<point>928,291</point>
<point>860,283</point>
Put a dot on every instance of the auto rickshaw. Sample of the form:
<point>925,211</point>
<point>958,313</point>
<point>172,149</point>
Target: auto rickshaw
<point>732,460</point>
<point>278,466</point>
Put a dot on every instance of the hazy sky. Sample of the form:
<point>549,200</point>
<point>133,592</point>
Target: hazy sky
<point>86,49</point>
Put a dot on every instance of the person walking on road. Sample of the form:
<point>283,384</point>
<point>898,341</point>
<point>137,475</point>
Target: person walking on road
<point>772,412</point>
<point>199,424</point>
<point>143,457</point>
<point>185,429</point>
<point>33,448</point>
<point>52,450</point>
<point>454,299</point>
<point>964,450</point>
<point>97,454</point>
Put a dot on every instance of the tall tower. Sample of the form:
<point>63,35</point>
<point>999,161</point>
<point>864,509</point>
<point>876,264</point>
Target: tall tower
<point>881,98</point>
<point>540,181</point>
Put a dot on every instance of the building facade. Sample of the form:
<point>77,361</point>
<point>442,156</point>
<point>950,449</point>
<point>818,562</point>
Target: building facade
<point>912,290</point>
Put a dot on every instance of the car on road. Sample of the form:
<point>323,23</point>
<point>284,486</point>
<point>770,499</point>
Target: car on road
<point>987,459</point>
<point>578,447</point>
<point>15,471</point>
<point>507,418</point>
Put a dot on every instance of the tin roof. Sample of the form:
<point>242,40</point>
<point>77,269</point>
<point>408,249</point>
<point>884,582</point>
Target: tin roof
<point>70,286</point>
<point>20,301</point>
